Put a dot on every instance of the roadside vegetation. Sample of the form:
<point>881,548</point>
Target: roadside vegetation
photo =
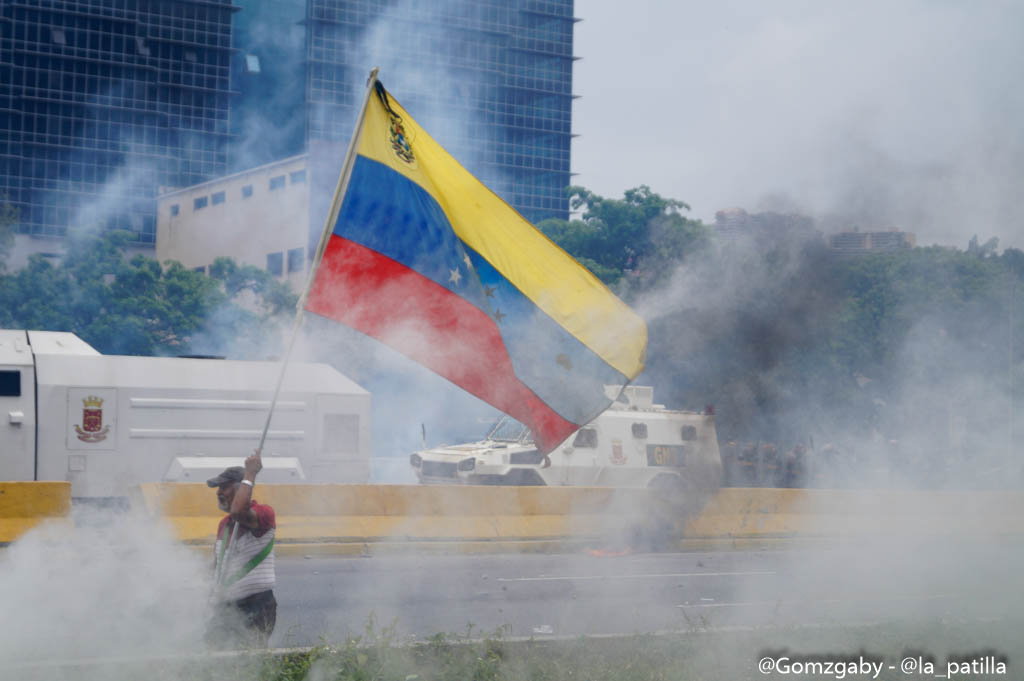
<point>138,306</point>
<point>916,351</point>
<point>697,655</point>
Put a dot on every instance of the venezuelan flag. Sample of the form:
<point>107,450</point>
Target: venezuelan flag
<point>426,259</point>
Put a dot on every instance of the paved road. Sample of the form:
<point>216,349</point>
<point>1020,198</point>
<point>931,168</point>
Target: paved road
<point>593,594</point>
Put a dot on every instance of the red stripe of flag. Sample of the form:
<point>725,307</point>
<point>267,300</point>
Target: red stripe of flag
<point>430,325</point>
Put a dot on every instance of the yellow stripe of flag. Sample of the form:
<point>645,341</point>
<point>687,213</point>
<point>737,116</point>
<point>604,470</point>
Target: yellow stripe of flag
<point>542,271</point>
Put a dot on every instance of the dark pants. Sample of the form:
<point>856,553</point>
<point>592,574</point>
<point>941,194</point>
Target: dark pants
<point>245,623</point>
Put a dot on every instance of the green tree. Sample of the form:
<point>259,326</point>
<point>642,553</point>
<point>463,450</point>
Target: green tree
<point>642,235</point>
<point>879,346</point>
<point>260,303</point>
<point>138,306</point>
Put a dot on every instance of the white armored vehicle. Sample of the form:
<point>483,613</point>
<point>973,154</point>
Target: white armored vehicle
<point>108,422</point>
<point>634,443</point>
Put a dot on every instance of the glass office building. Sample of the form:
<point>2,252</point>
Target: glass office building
<point>489,79</point>
<point>104,101</point>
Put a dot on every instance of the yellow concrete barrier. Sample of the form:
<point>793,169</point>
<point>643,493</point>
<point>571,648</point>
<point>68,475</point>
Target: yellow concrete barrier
<point>407,512</point>
<point>23,505</point>
<point>376,513</point>
<point>759,512</point>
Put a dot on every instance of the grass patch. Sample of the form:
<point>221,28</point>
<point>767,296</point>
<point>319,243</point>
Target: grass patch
<point>697,655</point>
<point>380,655</point>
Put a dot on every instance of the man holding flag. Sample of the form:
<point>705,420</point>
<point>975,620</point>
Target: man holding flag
<point>244,576</point>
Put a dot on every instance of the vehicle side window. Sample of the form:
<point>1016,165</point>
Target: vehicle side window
<point>586,438</point>
<point>10,383</point>
<point>639,430</point>
<point>689,432</point>
<point>530,456</point>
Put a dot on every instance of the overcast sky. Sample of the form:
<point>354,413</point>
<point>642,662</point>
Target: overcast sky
<point>905,114</point>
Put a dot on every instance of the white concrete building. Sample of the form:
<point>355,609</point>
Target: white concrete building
<point>258,217</point>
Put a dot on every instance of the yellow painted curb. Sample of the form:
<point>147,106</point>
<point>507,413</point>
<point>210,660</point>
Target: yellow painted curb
<point>24,505</point>
<point>347,513</point>
<point>761,512</point>
<point>468,516</point>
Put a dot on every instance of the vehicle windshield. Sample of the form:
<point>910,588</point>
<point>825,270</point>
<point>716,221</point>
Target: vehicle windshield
<point>507,429</point>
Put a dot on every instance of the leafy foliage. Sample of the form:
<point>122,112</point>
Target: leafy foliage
<point>794,343</point>
<point>697,652</point>
<point>138,306</point>
<point>642,235</point>
<point>878,347</point>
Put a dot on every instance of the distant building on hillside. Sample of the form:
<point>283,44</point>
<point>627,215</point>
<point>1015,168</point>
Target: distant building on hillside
<point>736,223</point>
<point>857,241</point>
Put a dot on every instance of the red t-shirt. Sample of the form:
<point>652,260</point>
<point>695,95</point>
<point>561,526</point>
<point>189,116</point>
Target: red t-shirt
<point>264,516</point>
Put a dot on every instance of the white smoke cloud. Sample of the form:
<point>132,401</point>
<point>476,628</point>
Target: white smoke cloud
<point>115,586</point>
<point>876,114</point>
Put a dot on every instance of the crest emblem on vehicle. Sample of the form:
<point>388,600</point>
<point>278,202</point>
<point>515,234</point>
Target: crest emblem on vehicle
<point>92,428</point>
<point>399,139</point>
<point>618,458</point>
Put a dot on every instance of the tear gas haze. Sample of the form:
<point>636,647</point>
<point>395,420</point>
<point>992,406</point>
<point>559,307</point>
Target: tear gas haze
<point>115,586</point>
<point>875,114</point>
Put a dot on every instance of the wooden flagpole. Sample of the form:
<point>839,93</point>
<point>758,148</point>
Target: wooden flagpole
<point>332,216</point>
